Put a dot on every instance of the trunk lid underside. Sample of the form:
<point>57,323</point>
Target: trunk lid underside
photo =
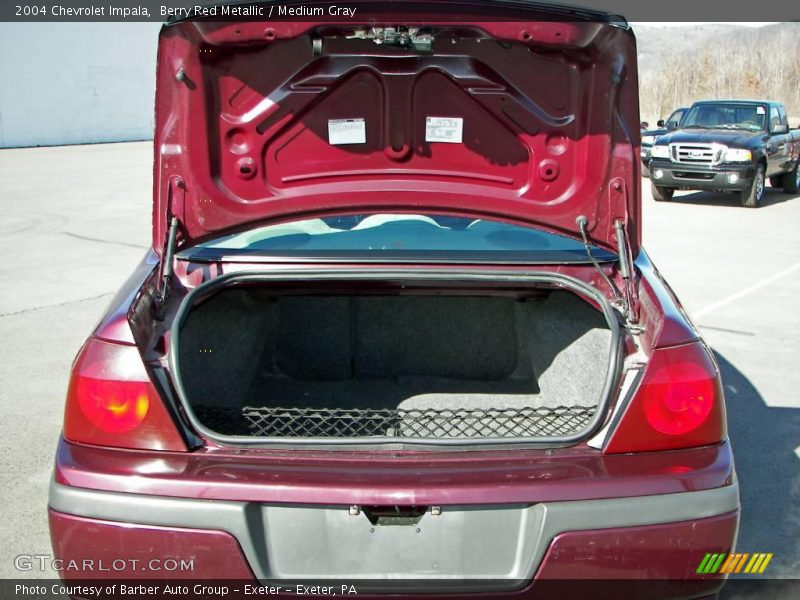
<point>532,121</point>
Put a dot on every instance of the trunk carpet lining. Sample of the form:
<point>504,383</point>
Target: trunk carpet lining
<point>424,366</point>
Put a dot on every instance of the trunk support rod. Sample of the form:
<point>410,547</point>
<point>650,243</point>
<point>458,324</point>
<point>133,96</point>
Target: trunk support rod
<point>624,303</point>
<point>582,222</point>
<point>167,259</point>
<point>626,270</point>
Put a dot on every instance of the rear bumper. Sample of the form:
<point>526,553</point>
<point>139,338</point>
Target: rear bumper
<point>616,538</point>
<point>442,478</point>
<point>118,549</point>
<point>508,518</point>
<point>700,178</point>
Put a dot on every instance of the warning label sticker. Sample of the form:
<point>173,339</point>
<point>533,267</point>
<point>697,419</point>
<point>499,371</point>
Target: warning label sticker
<point>444,129</point>
<point>347,131</point>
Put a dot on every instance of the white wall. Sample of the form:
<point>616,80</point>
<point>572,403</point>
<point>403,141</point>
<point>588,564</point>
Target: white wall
<point>74,83</point>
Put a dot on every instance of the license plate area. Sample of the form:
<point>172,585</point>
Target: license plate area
<point>448,543</point>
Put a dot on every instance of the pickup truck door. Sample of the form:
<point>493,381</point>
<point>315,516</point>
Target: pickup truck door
<point>776,146</point>
<point>789,153</point>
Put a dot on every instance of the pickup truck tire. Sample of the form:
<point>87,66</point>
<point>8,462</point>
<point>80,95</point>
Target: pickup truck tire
<point>791,181</point>
<point>776,181</point>
<point>751,196</point>
<point>661,194</point>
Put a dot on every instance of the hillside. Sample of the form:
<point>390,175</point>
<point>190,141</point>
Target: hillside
<point>678,65</point>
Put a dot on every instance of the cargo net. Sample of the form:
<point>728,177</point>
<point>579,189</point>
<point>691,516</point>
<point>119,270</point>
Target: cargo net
<point>412,423</point>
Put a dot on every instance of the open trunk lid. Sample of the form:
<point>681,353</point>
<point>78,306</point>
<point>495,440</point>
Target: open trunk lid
<point>521,111</point>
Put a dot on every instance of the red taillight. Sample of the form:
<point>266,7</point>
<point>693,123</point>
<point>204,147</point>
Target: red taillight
<point>111,401</point>
<point>113,406</point>
<point>679,404</point>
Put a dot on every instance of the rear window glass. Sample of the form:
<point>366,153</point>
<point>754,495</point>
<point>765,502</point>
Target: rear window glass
<point>403,236</point>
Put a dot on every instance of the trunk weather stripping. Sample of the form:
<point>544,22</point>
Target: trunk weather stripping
<point>400,443</point>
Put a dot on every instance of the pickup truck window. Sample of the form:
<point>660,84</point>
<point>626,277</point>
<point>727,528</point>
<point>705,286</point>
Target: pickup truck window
<point>675,118</point>
<point>399,236</point>
<point>774,117</point>
<point>752,117</point>
<point>782,115</point>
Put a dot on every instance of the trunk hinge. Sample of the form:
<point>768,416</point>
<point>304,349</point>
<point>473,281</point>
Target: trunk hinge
<point>624,302</point>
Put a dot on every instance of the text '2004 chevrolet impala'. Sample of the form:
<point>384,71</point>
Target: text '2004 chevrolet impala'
<point>397,325</point>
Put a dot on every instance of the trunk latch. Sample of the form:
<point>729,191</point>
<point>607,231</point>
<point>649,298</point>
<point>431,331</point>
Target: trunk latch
<point>394,514</point>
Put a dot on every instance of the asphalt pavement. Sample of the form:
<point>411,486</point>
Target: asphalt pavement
<point>74,221</point>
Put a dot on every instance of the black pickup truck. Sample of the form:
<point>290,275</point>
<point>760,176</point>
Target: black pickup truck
<point>728,145</point>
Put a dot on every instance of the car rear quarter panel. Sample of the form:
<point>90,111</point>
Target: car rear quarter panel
<point>662,316</point>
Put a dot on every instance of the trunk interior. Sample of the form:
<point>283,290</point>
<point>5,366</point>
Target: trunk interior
<point>421,364</point>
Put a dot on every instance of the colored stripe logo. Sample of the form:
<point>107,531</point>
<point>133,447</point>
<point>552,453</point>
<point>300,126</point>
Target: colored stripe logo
<point>734,563</point>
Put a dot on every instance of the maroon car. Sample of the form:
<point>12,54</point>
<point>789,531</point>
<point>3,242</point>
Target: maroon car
<point>397,326</point>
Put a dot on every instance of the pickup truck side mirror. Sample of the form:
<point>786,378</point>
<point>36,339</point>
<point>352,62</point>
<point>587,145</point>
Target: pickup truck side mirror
<point>782,128</point>
<point>660,122</point>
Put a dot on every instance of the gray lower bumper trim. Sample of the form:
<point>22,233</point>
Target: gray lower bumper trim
<point>325,542</point>
<point>717,181</point>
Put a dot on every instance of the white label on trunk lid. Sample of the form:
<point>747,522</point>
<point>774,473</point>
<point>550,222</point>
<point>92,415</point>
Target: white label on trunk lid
<point>347,131</point>
<point>444,129</point>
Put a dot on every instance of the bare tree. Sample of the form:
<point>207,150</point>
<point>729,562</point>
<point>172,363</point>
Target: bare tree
<point>752,64</point>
